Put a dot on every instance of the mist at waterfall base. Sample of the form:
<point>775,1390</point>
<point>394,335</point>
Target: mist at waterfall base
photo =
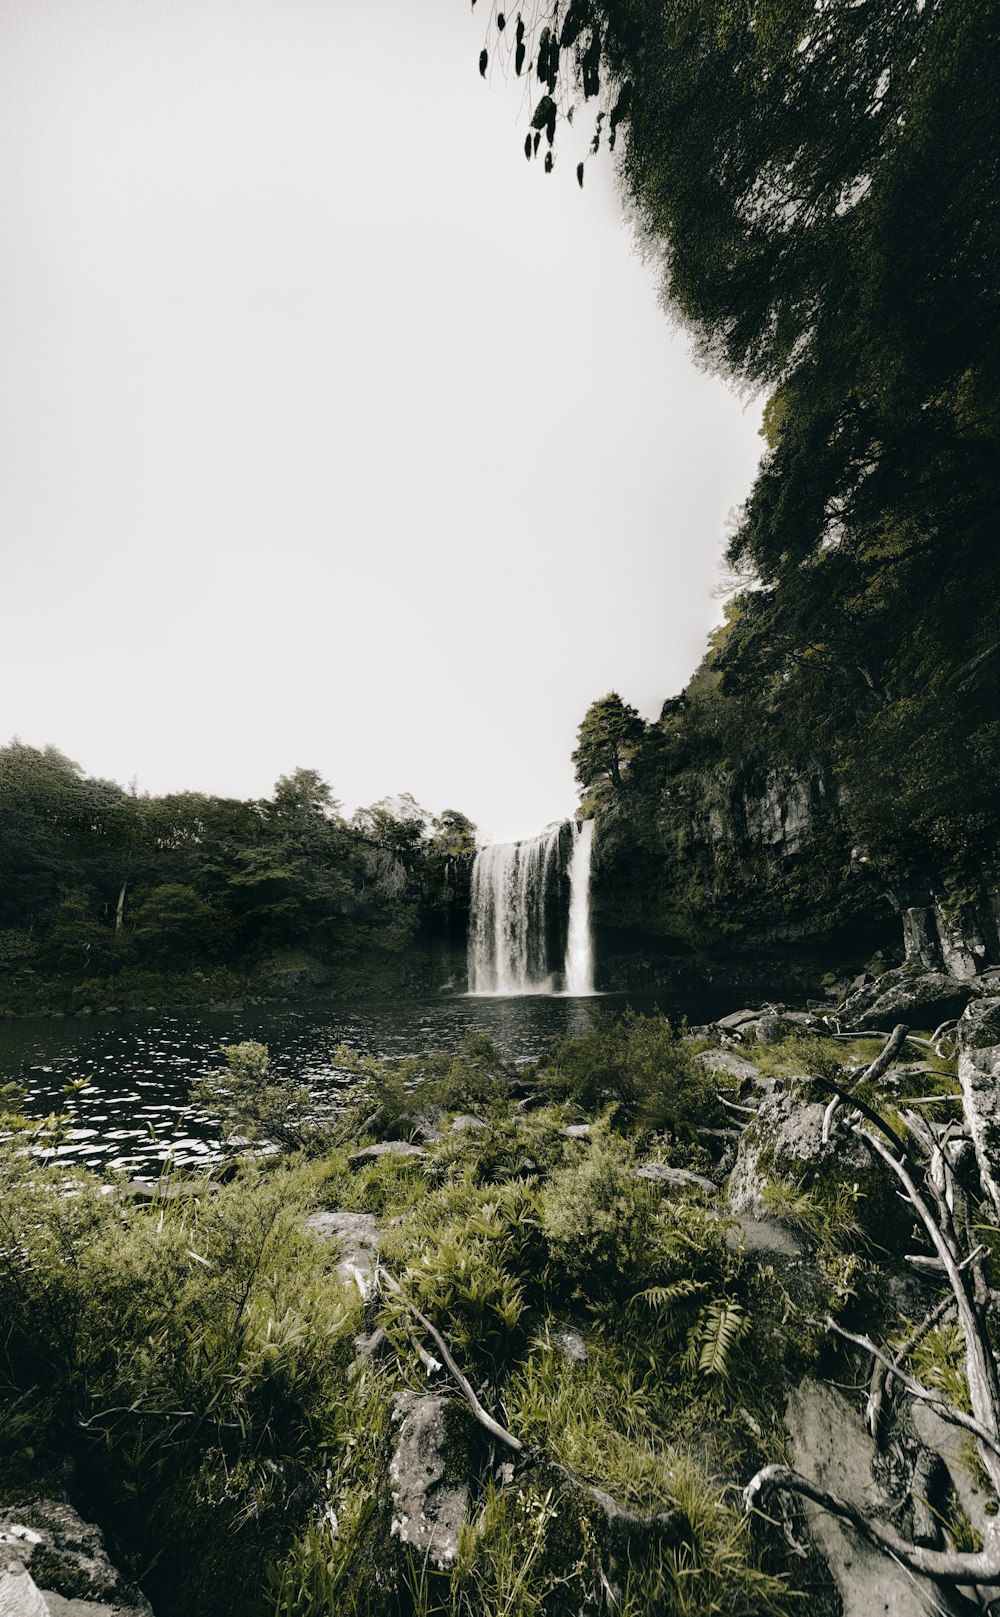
<point>529,921</point>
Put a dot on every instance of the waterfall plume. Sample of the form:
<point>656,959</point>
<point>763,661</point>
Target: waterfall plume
<point>579,942</point>
<point>512,883</point>
<point>529,920</point>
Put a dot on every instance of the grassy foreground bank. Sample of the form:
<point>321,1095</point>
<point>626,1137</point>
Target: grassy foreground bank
<point>230,1394</point>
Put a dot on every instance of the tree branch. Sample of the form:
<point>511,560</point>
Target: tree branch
<point>979,1567</point>
<point>486,1420</point>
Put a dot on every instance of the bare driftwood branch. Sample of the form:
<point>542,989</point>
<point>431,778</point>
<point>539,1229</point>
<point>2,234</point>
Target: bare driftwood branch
<point>958,1568</point>
<point>940,1405</point>
<point>959,1259</point>
<point>871,1073</point>
<point>462,1383</point>
<point>893,1045</point>
<point>671,1523</point>
<point>881,1382</point>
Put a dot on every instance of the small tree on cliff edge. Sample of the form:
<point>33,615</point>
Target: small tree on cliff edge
<point>609,735</point>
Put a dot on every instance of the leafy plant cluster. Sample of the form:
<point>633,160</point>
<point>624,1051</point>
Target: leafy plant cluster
<point>197,1356</point>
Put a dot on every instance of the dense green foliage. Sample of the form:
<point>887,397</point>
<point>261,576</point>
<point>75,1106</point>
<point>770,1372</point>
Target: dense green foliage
<point>117,896</point>
<point>198,1356</point>
<point>818,186</point>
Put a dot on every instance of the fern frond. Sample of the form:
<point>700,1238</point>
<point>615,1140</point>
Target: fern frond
<point>719,1331</point>
<point>663,1297</point>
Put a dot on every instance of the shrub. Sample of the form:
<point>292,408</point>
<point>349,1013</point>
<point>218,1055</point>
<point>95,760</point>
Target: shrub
<point>599,1220</point>
<point>641,1068</point>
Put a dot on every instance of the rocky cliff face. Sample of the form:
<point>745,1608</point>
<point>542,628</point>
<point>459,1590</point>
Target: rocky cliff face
<point>728,858</point>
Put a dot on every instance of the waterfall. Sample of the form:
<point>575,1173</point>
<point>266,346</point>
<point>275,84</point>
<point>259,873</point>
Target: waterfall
<point>512,883</point>
<point>518,915</point>
<point>579,943</point>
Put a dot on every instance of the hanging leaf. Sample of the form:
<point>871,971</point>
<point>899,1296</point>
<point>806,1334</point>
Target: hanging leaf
<point>548,58</point>
<point>574,23</point>
<point>579,175</point>
<point>619,111</point>
<point>483,63</point>
<point>527,147</point>
<point>535,144</point>
<point>520,52</point>
<point>501,22</point>
<point>543,112</point>
<point>590,65</point>
<point>548,162</point>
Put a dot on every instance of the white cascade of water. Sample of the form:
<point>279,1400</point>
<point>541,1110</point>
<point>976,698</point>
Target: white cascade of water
<point>579,941</point>
<point>508,921</point>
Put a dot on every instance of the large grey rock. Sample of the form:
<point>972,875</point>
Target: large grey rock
<point>430,1501</point>
<point>578,1131</point>
<point>979,1076</point>
<point>467,1122</point>
<point>736,1020</point>
<point>385,1148</point>
<point>784,1142</point>
<point>19,1593</point>
<point>727,1064</point>
<point>357,1235</point>
<point>831,1447</point>
<point>764,1239</point>
<point>907,994</point>
<point>769,1029</point>
<point>54,1564</point>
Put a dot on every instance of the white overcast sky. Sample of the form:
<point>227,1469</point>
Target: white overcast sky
<point>331,432</point>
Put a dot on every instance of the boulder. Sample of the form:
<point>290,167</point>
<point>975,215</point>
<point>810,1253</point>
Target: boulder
<point>357,1235</point>
<point>769,1029</point>
<point>979,1076</point>
<point>385,1148</point>
<point>430,1498</point>
<point>467,1122</point>
<point>20,1595</point>
<point>784,1142</point>
<point>766,1239</point>
<point>54,1564</point>
<point>735,1021</point>
<point>727,1064</point>
<point>829,1444</point>
<point>907,994</point>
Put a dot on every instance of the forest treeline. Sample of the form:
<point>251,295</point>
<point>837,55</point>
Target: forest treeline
<point>818,187</point>
<point>107,895</point>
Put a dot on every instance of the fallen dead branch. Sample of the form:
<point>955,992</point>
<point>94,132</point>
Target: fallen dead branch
<point>929,1188</point>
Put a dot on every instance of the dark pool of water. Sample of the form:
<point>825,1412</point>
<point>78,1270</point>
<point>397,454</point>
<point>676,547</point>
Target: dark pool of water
<point>135,1113</point>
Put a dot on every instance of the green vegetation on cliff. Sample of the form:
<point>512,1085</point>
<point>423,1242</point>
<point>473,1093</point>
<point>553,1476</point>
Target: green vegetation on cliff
<point>817,186</point>
<point>108,897</point>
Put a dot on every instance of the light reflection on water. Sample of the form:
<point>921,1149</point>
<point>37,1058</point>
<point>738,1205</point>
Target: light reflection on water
<point>135,1114</point>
